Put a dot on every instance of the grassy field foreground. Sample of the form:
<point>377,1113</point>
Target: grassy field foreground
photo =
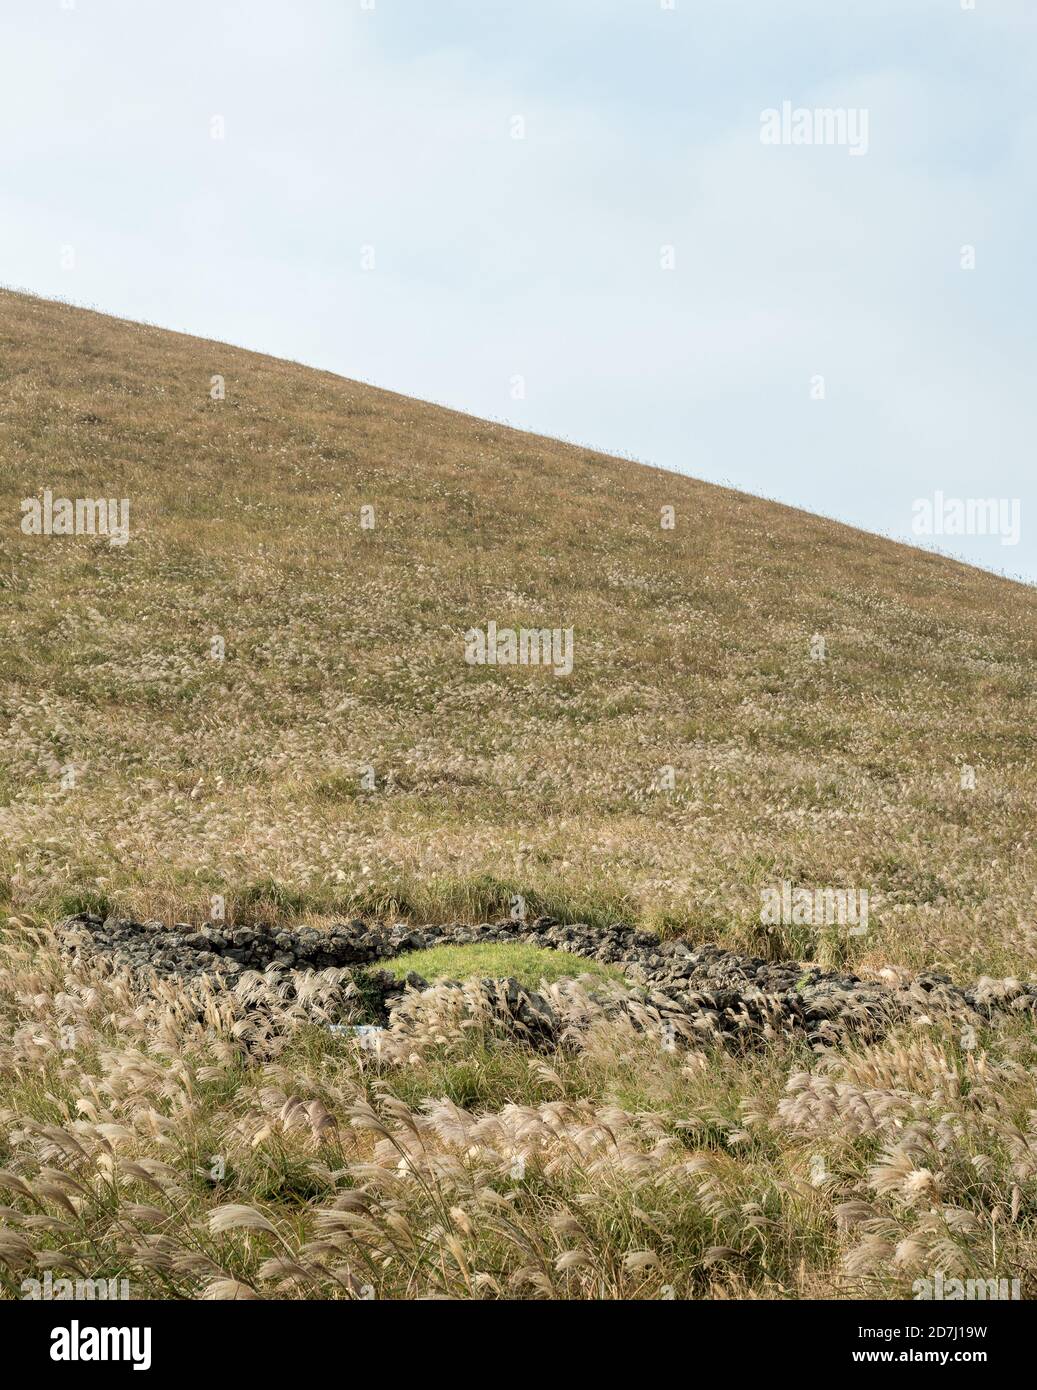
<point>261,705</point>
<point>236,1154</point>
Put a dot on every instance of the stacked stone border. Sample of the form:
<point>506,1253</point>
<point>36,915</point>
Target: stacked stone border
<point>705,992</point>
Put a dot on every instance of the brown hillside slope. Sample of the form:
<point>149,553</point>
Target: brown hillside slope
<point>250,777</point>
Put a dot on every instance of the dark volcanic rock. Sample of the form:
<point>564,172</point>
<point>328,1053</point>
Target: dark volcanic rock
<point>704,992</point>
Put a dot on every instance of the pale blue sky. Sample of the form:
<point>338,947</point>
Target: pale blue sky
<point>391,128</point>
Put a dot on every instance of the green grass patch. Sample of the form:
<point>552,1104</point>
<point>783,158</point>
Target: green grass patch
<point>497,960</point>
<point>84,900</point>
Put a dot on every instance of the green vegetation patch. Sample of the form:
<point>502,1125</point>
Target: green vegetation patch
<point>497,960</point>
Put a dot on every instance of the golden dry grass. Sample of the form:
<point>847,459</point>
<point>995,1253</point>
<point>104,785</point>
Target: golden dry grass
<point>200,1149</point>
<point>643,1173</point>
<point>344,650</point>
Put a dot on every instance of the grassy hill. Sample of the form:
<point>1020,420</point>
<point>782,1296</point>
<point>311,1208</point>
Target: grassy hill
<point>343,758</point>
<point>251,777</point>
